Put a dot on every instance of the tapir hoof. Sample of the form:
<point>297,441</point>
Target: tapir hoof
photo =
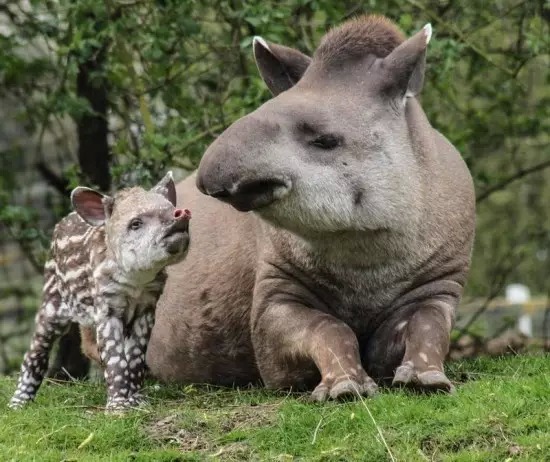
<point>346,388</point>
<point>429,381</point>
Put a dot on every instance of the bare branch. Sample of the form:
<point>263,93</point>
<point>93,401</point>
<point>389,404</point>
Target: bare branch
<point>516,176</point>
<point>59,183</point>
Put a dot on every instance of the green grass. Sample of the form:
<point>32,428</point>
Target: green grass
<point>501,411</point>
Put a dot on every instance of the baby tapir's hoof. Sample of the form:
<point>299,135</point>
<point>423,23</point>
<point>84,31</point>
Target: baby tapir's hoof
<point>119,406</point>
<point>344,387</point>
<point>138,400</point>
<point>425,380</point>
<point>17,404</point>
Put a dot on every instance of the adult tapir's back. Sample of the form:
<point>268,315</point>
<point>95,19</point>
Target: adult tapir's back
<point>356,245</point>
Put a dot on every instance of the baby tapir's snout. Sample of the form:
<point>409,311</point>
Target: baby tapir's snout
<point>176,237</point>
<point>182,214</point>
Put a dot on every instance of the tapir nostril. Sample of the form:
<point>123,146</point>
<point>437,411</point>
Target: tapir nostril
<point>250,194</point>
<point>258,187</point>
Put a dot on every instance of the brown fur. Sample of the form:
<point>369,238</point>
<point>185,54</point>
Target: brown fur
<point>358,37</point>
<point>89,344</point>
<point>356,246</point>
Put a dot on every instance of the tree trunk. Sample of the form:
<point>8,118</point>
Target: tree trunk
<point>93,157</point>
<point>93,150</point>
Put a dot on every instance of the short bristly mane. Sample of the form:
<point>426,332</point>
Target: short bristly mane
<point>358,37</point>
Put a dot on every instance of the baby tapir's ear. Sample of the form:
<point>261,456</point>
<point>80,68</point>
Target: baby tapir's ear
<point>93,207</point>
<point>166,187</point>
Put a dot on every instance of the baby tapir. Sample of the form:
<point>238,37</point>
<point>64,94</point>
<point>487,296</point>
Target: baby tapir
<point>106,272</point>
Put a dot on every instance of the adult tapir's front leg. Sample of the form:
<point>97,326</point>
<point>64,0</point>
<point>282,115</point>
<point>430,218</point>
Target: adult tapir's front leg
<point>427,337</point>
<point>412,345</point>
<point>289,338</point>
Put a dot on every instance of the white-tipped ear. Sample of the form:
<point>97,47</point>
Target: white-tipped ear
<point>280,67</point>
<point>258,41</point>
<point>166,187</point>
<point>406,64</point>
<point>428,31</point>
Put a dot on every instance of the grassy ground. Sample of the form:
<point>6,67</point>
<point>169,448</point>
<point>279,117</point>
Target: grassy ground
<point>501,412</point>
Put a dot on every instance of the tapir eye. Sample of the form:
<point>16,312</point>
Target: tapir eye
<point>327,141</point>
<point>135,224</point>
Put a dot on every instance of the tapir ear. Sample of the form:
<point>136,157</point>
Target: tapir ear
<point>166,187</point>
<point>404,66</point>
<point>280,67</point>
<point>92,206</point>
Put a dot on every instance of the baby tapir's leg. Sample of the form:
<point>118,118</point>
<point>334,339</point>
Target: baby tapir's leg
<point>135,348</point>
<point>110,342</point>
<point>49,326</point>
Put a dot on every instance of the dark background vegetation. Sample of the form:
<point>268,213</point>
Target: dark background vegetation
<point>110,93</point>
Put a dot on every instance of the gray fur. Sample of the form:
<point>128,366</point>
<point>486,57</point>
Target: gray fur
<point>354,253</point>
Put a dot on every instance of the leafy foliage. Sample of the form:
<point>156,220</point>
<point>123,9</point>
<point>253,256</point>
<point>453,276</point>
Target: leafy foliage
<point>178,72</point>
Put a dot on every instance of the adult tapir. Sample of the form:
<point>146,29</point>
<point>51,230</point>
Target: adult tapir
<point>332,229</point>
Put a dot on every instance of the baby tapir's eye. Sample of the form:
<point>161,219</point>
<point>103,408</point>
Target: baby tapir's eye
<point>327,141</point>
<point>135,224</point>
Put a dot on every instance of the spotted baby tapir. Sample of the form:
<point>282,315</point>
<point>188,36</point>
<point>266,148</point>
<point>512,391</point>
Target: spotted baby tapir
<point>106,273</point>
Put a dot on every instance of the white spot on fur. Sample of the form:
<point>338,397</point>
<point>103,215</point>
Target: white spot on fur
<point>130,343</point>
<point>401,325</point>
<point>423,357</point>
<point>72,274</point>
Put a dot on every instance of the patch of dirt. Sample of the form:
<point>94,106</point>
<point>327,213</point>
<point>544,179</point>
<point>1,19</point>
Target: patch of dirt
<point>248,417</point>
<point>208,435</point>
<point>167,430</point>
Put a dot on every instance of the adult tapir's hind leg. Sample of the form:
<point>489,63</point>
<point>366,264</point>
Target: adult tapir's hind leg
<point>411,346</point>
<point>49,327</point>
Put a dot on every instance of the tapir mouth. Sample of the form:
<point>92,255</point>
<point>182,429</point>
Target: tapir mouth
<point>252,195</point>
<point>176,238</point>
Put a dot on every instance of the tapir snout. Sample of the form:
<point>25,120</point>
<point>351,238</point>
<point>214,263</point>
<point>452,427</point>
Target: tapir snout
<point>244,178</point>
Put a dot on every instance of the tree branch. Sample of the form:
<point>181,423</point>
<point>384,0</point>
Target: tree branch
<point>518,175</point>
<point>461,36</point>
<point>59,183</point>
